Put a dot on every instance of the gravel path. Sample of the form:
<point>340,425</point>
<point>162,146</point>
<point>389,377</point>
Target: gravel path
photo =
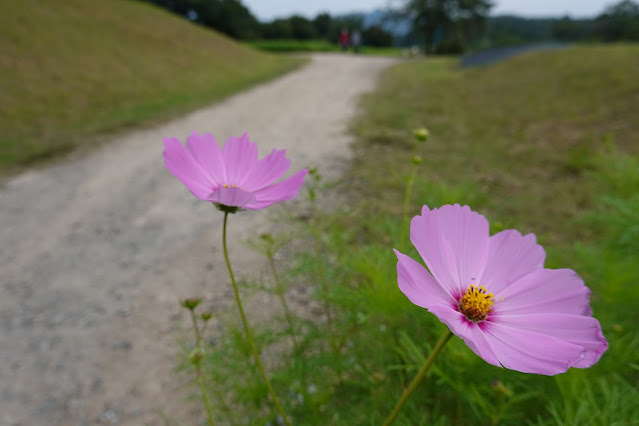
<point>97,251</point>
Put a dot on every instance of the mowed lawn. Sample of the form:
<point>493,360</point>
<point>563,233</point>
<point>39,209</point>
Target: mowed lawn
<point>75,70</point>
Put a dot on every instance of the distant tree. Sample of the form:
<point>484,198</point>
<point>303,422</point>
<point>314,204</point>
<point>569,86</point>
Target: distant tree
<point>302,28</point>
<point>567,29</point>
<point>619,21</point>
<point>324,25</point>
<point>509,30</point>
<point>277,29</point>
<point>376,36</point>
<point>230,17</point>
<point>446,20</point>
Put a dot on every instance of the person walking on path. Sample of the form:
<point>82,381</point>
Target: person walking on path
<point>356,40</point>
<point>344,39</point>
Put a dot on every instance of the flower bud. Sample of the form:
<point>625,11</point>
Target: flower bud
<point>268,238</point>
<point>421,134</point>
<point>501,388</point>
<point>196,356</point>
<point>206,316</point>
<point>416,160</point>
<point>192,303</point>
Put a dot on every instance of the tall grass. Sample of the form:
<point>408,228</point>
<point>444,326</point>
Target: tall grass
<point>544,143</point>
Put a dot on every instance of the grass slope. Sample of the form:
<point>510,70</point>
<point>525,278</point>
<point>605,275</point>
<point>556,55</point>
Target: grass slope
<point>74,69</point>
<point>546,143</point>
<point>522,131</point>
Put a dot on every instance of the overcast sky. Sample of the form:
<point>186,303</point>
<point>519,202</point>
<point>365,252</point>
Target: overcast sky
<point>266,10</point>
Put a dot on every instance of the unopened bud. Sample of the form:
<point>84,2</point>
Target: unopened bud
<point>206,316</point>
<point>416,160</point>
<point>191,304</point>
<point>421,134</point>
<point>266,237</point>
<point>499,387</point>
<point>196,356</point>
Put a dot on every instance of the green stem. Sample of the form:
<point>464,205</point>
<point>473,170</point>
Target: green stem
<point>289,318</point>
<point>407,197</point>
<point>320,259</point>
<point>323,280</point>
<point>419,377</point>
<point>198,369</point>
<point>280,292</point>
<point>247,331</point>
<point>198,336</point>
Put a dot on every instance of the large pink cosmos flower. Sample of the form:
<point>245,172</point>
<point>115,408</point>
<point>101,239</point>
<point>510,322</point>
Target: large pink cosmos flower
<point>495,294</point>
<point>232,177</point>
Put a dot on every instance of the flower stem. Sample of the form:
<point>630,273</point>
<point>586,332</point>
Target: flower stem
<point>412,174</point>
<point>198,370</point>
<point>407,197</point>
<point>279,286</point>
<point>419,377</point>
<point>249,337</point>
<point>315,232</point>
<point>324,283</point>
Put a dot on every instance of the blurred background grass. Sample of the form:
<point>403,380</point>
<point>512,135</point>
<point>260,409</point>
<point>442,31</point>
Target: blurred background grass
<point>293,45</point>
<point>77,69</point>
<point>544,143</point>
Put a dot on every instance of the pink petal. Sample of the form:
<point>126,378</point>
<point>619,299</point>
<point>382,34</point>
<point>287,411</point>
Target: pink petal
<point>267,170</point>
<point>184,167</point>
<point>232,196</point>
<point>545,290</point>
<point>584,331</point>
<point>453,241</point>
<point>511,256</point>
<point>281,191</point>
<point>468,331</point>
<point>206,152</point>
<point>418,285</point>
<point>531,352</point>
<point>240,156</point>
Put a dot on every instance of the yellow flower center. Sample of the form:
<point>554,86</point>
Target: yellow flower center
<point>229,186</point>
<point>476,303</point>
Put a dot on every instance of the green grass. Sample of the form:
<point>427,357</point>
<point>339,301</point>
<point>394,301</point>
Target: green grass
<point>78,69</point>
<point>543,143</point>
<point>293,45</point>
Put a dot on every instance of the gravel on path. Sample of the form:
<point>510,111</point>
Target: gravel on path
<point>97,251</point>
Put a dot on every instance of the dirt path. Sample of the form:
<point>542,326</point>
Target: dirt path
<point>95,253</point>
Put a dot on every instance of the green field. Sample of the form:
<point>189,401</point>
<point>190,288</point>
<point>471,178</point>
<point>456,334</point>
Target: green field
<point>288,46</point>
<point>546,143</point>
<point>78,69</point>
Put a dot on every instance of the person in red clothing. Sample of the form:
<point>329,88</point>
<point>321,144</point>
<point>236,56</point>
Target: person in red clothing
<point>344,39</point>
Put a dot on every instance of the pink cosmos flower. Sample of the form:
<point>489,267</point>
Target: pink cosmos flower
<point>232,177</point>
<point>495,294</point>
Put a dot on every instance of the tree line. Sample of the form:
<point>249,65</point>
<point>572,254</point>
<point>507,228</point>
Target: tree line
<point>234,19</point>
<point>439,26</point>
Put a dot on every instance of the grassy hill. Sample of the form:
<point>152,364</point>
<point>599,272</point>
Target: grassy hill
<point>525,127</point>
<point>72,70</point>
